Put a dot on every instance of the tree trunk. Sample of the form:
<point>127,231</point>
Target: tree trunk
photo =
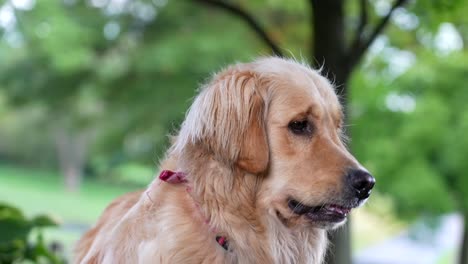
<point>329,52</point>
<point>339,251</point>
<point>329,43</point>
<point>71,152</point>
<point>72,178</point>
<point>464,246</point>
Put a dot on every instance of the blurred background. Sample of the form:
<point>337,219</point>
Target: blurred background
<point>90,89</point>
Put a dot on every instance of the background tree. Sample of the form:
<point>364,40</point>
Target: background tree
<point>106,75</point>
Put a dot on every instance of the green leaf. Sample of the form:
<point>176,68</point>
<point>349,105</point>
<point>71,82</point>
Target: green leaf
<point>8,211</point>
<point>43,221</point>
<point>12,229</point>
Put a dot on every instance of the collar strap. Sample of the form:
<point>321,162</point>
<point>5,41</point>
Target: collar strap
<point>173,177</point>
<point>181,177</point>
<point>223,242</point>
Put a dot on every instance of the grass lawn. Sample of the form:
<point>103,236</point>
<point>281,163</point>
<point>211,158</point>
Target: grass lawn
<point>42,192</point>
<point>374,222</point>
<point>37,192</point>
<point>448,258</point>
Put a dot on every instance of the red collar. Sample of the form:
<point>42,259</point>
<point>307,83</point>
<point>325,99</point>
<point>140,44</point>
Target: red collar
<point>180,177</point>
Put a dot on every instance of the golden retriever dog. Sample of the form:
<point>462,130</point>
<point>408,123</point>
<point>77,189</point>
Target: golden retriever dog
<point>257,174</point>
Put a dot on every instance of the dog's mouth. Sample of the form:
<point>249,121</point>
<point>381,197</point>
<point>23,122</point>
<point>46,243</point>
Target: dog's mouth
<point>331,213</point>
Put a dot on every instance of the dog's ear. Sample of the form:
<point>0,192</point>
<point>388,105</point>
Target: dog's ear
<point>254,151</point>
<point>228,119</point>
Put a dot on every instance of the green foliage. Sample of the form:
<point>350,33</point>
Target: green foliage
<point>15,231</point>
<point>124,92</point>
<point>417,154</point>
<point>431,13</point>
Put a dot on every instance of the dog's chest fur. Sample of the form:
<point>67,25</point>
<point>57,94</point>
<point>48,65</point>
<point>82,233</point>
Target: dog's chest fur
<point>308,246</point>
<point>165,226</point>
<point>188,240</point>
<point>228,198</point>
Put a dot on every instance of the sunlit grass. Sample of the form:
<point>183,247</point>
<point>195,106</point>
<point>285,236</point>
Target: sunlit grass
<point>43,192</point>
<point>448,258</point>
<point>37,192</point>
<point>374,222</point>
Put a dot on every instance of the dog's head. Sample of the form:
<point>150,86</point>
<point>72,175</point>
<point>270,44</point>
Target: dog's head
<point>282,121</point>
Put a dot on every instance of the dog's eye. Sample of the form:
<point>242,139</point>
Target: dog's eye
<point>300,127</point>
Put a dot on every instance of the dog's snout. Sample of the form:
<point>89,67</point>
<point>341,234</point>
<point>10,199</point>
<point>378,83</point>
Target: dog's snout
<point>362,182</point>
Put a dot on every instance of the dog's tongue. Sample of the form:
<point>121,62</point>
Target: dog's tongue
<point>333,208</point>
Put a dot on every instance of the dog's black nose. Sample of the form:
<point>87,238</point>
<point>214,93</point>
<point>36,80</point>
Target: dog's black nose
<point>362,182</point>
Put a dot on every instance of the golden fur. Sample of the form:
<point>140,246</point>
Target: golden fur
<point>243,164</point>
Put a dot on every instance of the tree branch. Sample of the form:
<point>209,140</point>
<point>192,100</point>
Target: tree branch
<point>356,53</point>
<point>253,24</point>
<point>362,24</point>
